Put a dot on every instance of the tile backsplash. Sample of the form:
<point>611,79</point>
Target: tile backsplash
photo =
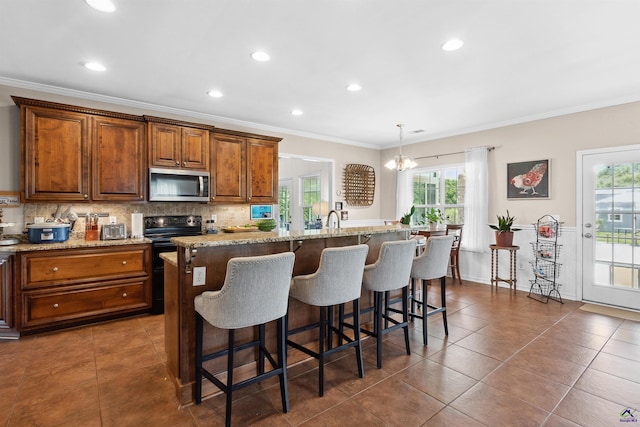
<point>226,214</point>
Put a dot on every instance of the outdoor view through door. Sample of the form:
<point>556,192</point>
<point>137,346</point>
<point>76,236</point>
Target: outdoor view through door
<point>611,228</point>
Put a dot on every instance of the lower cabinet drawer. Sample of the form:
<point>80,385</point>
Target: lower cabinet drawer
<point>50,307</point>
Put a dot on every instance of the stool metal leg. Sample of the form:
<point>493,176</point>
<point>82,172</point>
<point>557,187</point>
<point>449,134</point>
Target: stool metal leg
<point>443,296</point>
<point>261,348</point>
<point>199,331</point>
<point>323,335</point>
<point>377,326</point>
<point>356,334</point>
<point>229,379</point>
<point>405,317</point>
<point>282,363</point>
<point>425,313</point>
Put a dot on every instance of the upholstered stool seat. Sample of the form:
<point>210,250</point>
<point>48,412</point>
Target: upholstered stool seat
<point>255,292</point>
<point>390,272</point>
<point>337,280</point>
<point>431,264</point>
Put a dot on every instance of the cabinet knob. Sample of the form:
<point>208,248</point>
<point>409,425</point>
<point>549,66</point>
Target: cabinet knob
<point>124,262</point>
<point>177,163</point>
<point>184,163</point>
<point>124,295</point>
<point>55,305</point>
<point>86,196</point>
<point>54,269</point>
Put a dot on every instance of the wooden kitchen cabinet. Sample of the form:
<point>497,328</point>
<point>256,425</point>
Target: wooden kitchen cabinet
<point>6,291</point>
<point>67,287</point>
<point>262,171</point>
<point>244,168</point>
<point>55,154</point>
<point>228,177</point>
<point>172,145</point>
<point>118,159</point>
<point>72,153</point>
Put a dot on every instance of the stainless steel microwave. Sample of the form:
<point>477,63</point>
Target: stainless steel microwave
<point>178,185</point>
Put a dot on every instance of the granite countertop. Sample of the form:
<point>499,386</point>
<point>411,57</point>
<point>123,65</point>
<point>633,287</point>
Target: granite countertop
<point>242,238</point>
<point>170,257</point>
<point>69,244</point>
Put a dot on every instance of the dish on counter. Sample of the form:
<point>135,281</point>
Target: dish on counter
<point>239,228</point>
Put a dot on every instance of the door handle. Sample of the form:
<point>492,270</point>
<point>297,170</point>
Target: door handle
<point>587,235</point>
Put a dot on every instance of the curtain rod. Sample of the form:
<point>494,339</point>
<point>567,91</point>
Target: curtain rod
<point>449,154</point>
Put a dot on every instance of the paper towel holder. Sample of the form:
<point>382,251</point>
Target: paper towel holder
<point>136,226</point>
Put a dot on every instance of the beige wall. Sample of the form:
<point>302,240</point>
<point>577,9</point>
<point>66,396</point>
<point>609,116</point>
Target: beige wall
<point>557,139</point>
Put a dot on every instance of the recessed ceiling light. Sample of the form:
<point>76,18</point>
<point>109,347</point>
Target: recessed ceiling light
<point>95,66</point>
<point>296,112</point>
<point>354,87</point>
<point>102,5</point>
<point>451,45</point>
<point>215,93</point>
<point>260,56</point>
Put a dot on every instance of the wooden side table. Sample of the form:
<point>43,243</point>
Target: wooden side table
<point>495,258</point>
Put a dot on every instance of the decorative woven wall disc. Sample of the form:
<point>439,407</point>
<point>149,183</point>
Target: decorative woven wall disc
<point>359,184</point>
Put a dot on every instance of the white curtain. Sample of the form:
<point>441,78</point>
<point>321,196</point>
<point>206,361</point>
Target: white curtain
<point>476,200</point>
<point>404,193</point>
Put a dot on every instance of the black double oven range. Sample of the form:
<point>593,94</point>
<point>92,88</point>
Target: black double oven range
<point>160,230</point>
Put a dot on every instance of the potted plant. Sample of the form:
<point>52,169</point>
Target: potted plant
<point>406,218</point>
<point>434,217</point>
<point>504,230</point>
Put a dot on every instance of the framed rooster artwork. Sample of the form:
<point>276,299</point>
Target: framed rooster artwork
<point>528,180</point>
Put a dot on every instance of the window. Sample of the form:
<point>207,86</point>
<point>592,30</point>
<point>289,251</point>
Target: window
<point>284,203</point>
<point>441,188</point>
<point>615,217</point>
<point>310,195</point>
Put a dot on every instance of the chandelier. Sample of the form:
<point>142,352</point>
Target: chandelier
<point>400,162</point>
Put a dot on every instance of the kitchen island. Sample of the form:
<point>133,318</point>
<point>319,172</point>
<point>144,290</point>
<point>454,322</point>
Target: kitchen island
<point>212,252</point>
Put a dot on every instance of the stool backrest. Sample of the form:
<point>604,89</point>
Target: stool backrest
<point>393,267</point>
<point>433,262</point>
<point>338,278</point>
<point>255,291</point>
<point>455,230</point>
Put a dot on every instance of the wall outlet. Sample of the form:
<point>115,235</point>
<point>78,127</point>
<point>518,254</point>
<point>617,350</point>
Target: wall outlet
<point>38,220</point>
<point>113,220</point>
<point>199,276</point>
<point>214,217</point>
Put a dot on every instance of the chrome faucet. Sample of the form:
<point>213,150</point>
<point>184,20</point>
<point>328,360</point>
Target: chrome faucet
<point>329,225</point>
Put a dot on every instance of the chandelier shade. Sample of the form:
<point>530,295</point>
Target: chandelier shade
<point>400,162</point>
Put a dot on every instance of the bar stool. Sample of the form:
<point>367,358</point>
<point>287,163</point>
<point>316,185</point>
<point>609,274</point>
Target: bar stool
<point>390,272</point>
<point>431,264</point>
<point>337,281</point>
<point>255,292</point>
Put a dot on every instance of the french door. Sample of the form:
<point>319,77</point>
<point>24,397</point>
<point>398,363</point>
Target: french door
<point>609,225</point>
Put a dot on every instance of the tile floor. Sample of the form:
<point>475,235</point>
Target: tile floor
<point>508,361</point>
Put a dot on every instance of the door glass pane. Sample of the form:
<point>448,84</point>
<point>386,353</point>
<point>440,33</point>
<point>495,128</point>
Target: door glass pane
<point>615,216</point>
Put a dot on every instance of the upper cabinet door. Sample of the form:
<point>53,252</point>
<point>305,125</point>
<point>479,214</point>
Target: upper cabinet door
<point>164,145</point>
<point>262,171</point>
<point>174,146</point>
<point>55,154</point>
<point>228,176</point>
<point>118,159</point>
<point>195,148</point>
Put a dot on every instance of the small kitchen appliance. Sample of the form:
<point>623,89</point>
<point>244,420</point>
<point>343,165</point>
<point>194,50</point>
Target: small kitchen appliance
<point>48,232</point>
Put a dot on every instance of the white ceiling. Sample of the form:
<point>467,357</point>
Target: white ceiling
<point>522,60</point>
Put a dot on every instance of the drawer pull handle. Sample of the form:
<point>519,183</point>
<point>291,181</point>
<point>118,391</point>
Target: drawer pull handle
<point>124,262</point>
<point>55,305</point>
<point>124,295</point>
<point>54,269</point>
